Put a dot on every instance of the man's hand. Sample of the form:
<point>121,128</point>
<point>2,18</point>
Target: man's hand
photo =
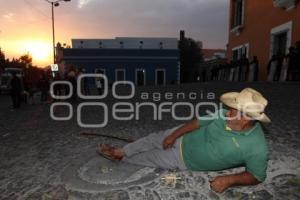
<point>169,142</point>
<point>220,183</point>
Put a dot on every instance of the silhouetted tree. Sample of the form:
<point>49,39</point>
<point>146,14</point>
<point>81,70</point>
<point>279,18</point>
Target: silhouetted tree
<point>2,60</point>
<point>14,63</point>
<point>26,60</point>
<point>190,55</point>
<point>32,73</point>
<point>23,62</point>
<point>2,57</point>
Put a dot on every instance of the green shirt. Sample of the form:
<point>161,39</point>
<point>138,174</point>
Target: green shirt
<point>213,147</point>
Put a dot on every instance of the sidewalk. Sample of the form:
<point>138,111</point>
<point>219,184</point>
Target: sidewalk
<point>41,157</point>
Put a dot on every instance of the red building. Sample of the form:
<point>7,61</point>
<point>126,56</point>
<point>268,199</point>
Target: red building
<point>262,28</point>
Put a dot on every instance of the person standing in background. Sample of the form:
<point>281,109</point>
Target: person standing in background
<point>253,70</point>
<point>73,80</point>
<point>16,90</point>
<point>85,84</point>
<point>292,57</point>
<point>237,68</point>
<point>280,58</point>
<point>57,88</point>
<point>244,68</point>
<point>44,88</point>
<point>284,68</point>
<point>232,71</point>
<point>98,83</point>
<point>272,68</point>
<point>297,62</point>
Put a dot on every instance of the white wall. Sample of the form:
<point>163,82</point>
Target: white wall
<point>128,43</point>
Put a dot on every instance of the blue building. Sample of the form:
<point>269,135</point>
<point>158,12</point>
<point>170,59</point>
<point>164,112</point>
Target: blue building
<point>144,61</point>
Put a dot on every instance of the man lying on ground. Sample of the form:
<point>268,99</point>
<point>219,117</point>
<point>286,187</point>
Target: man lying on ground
<point>211,144</point>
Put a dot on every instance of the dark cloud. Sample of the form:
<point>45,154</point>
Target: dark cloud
<point>201,19</point>
<point>204,20</point>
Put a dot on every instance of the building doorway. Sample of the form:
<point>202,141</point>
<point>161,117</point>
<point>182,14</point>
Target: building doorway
<point>280,43</point>
<point>281,39</point>
<point>160,77</point>
<point>120,75</point>
<point>140,77</point>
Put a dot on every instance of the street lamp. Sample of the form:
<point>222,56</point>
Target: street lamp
<point>54,4</point>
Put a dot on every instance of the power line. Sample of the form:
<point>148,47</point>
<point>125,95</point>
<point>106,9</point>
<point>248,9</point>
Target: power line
<point>36,9</point>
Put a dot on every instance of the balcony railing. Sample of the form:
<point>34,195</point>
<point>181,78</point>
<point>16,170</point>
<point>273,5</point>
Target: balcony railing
<point>286,4</point>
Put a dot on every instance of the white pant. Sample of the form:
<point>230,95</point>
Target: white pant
<point>148,151</point>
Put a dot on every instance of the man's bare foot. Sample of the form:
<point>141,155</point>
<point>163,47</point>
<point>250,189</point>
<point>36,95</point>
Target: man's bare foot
<point>110,153</point>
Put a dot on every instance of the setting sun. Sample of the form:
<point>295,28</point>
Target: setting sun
<point>39,50</point>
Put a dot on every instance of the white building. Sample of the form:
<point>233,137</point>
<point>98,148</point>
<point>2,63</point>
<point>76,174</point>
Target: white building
<point>126,43</point>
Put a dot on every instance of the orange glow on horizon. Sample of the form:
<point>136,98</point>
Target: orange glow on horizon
<point>41,51</point>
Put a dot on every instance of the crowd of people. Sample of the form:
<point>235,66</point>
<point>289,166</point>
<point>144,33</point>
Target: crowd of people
<point>71,76</point>
<point>22,90</point>
<point>285,67</point>
<point>280,68</point>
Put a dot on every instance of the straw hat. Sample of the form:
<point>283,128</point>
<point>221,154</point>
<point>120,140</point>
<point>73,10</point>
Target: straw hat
<point>249,101</point>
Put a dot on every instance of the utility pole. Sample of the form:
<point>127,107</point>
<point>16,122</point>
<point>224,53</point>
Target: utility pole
<point>53,33</point>
<point>54,4</point>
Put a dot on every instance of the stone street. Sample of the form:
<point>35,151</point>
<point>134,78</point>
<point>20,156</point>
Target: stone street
<point>46,159</point>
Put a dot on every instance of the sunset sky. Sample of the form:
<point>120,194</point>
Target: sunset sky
<point>25,25</point>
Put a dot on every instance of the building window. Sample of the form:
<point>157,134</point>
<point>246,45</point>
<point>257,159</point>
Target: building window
<point>161,45</point>
<point>81,44</point>
<point>160,77</point>
<point>286,4</point>
<point>121,44</point>
<point>141,44</point>
<point>120,75</point>
<point>140,77</point>
<point>237,18</point>
<point>281,39</point>
<point>238,52</point>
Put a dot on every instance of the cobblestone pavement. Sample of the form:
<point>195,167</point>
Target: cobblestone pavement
<point>46,159</point>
